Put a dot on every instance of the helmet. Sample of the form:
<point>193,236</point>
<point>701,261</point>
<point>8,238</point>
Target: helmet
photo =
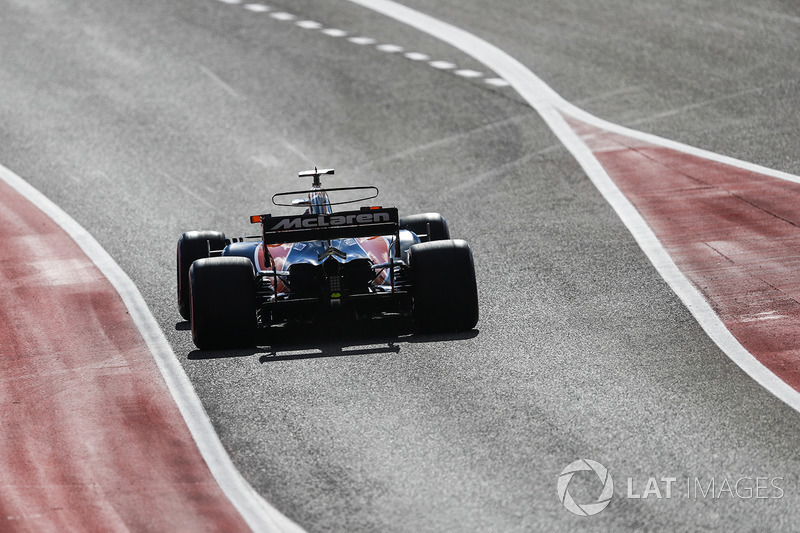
<point>318,202</point>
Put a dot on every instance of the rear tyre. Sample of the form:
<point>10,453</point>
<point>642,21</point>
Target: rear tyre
<point>193,245</point>
<point>223,303</point>
<point>431,224</point>
<point>444,289</point>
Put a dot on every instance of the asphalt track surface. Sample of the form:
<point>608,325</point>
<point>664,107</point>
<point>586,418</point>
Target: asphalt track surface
<point>145,120</point>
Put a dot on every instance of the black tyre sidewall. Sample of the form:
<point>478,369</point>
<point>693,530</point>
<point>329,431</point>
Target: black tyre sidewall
<point>444,287</point>
<point>193,245</point>
<point>419,225</point>
<point>223,301</point>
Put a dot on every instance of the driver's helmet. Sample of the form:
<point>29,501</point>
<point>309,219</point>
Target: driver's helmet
<point>318,202</point>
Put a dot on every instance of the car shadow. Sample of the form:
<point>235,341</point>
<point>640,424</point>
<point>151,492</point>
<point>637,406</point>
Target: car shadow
<point>377,338</point>
<point>200,355</point>
<point>313,341</point>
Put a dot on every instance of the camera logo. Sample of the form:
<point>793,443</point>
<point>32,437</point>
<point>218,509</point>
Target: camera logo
<point>585,509</point>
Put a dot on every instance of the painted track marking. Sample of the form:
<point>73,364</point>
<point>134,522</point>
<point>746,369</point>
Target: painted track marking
<point>388,48</point>
<point>556,111</point>
<point>89,429</point>
<point>309,24</point>
<point>541,100</point>
<point>733,233</point>
<point>257,513</point>
<point>282,16</point>
<point>362,41</point>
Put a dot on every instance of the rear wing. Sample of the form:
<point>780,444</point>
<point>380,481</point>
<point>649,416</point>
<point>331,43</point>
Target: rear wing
<point>366,222</point>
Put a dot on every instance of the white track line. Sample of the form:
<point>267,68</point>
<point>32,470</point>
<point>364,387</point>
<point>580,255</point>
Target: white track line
<point>416,56</point>
<point>362,41</point>
<point>550,106</point>
<point>442,65</point>
<point>309,24</point>
<point>388,48</point>
<point>334,32</point>
<point>497,82</point>
<point>258,514</point>
<point>282,15</point>
<point>467,73</point>
<point>257,8</point>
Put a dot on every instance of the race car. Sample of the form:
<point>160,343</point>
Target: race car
<point>323,265</point>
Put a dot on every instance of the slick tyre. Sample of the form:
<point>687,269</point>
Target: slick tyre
<point>193,245</point>
<point>444,289</point>
<point>432,225</point>
<point>223,302</point>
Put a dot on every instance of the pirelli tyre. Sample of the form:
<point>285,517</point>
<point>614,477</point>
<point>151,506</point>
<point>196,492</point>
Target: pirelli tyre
<point>193,245</point>
<point>427,226</point>
<point>443,285</point>
<point>223,301</point>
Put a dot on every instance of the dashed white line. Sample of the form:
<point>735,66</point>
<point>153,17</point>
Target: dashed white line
<point>389,48</point>
<point>496,82</point>
<point>282,15</point>
<point>309,24</point>
<point>362,40</point>
<point>467,73</point>
<point>442,65</point>
<point>257,8</point>
<point>334,32</point>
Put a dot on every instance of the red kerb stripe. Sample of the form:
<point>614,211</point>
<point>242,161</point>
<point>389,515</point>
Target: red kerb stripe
<point>91,439</point>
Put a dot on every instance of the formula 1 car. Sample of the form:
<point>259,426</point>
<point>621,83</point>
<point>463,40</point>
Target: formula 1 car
<point>322,265</point>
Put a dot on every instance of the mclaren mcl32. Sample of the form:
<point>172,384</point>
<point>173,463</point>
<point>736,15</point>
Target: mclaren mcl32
<point>324,264</point>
